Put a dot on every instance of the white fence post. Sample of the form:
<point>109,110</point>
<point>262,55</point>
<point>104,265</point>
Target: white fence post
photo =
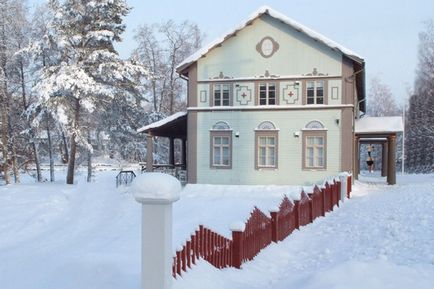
<point>343,178</point>
<point>156,192</point>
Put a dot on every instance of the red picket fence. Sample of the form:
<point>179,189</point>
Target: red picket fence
<point>260,230</point>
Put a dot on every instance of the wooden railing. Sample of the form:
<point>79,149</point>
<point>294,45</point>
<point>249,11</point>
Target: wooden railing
<point>260,230</point>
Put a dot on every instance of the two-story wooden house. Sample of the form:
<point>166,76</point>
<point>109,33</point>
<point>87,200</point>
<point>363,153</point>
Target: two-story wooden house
<point>272,102</point>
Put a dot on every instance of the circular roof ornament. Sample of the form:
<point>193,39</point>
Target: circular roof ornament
<point>267,47</point>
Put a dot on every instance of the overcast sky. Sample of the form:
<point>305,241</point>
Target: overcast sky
<point>384,32</point>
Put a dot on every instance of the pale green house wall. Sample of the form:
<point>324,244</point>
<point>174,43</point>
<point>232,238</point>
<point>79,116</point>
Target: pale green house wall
<point>238,63</point>
<point>297,55</point>
<point>289,151</point>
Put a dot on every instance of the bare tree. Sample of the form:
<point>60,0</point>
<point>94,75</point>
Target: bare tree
<point>381,100</point>
<point>161,48</point>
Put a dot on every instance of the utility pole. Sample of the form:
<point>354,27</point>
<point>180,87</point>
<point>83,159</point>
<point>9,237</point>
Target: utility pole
<point>403,139</point>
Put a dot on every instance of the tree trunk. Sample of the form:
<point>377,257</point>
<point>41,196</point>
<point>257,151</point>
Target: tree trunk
<point>65,156</point>
<point>50,149</point>
<point>89,160</point>
<point>15,168</point>
<point>71,163</point>
<point>4,128</point>
<point>37,164</point>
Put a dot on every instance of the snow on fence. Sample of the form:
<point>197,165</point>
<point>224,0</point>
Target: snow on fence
<point>259,230</point>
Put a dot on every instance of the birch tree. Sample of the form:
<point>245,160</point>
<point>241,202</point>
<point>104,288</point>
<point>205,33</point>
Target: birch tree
<point>161,47</point>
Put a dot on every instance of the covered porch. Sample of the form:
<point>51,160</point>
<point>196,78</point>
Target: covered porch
<point>383,131</point>
<point>174,128</point>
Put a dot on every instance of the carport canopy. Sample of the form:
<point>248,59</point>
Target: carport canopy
<point>381,130</point>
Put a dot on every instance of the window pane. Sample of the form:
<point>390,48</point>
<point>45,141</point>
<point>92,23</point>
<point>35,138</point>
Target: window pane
<point>226,156</point>
<point>225,140</point>
<point>310,92</point>
<point>270,140</point>
<point>271,156</point>
<point>309,151</point>
<point>262,161</point>
<point>310,87</point>
<point>262,97</point>
<point>217,155</point>
<point>310,100</point>
<point>319,140</point>
<point>310,140</point>
<point>310,162</point>
<point>262,141</point>
<point>271,97</point>
<point>320,156</point>
<point>320,100</point>
<point>217,140</point>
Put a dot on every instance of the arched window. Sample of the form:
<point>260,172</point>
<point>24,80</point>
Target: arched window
<point>314,146</point>
<point>315,125</point>
<point>221,125</point>
<point>266,125</point>
<point>266,146</point>
<point>221,146</point>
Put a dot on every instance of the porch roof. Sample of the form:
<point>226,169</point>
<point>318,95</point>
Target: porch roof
<point>378,126</point>
<point>174,126</point>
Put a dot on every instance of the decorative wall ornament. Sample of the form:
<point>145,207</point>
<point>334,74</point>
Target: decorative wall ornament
<point>315,73</point>
<point>268,75</point>
<point>267,47</point>
<point>221,125</point>
<point>221,76</point>
<point>266,125</point>
<point>291,93</point>
<point>335,92</point>
<point>314,124</point>
<point>203,96</point>
<point>243,95</point>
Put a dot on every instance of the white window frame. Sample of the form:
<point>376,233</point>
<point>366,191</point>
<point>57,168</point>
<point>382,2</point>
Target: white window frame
<point>315,91</point>
<point>267,92</point>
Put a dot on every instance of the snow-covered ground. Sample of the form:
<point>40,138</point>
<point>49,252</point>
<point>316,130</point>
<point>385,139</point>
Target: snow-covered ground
<point>88,236</point>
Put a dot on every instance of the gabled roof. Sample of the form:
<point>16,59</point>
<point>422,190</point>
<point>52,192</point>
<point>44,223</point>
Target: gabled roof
<point>281,17</point>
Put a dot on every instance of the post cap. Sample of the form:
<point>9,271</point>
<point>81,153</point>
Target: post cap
<point>237,227</point>
<point>156,188</point>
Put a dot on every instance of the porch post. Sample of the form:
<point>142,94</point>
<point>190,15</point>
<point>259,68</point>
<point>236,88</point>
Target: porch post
<point>384,159</point>
<point>149,153</point>
<point>391,161</point>
<point>171,151</point>
<point>356,158</point>
<point>184,153</point>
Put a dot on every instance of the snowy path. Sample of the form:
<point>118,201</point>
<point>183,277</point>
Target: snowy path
<point>382,238</point>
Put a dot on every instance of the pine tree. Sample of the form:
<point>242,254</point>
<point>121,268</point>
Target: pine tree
<point>89,78</point>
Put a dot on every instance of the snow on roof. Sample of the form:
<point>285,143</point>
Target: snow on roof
<point>279,16</point>
<point>163,121</point>
<point>383,124</point>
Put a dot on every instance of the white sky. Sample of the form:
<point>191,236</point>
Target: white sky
<point>384,32</point>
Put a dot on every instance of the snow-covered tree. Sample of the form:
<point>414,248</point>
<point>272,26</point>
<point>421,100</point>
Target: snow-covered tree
<point>13,90</point>
<point>420,121</point>
<point>89,78</point>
